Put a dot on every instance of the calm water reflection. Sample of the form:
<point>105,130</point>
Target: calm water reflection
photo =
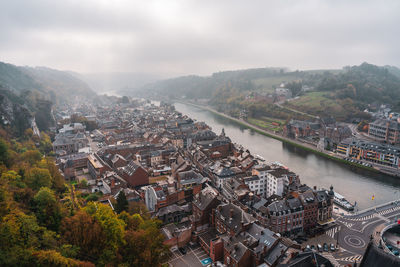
<point>355,184</point>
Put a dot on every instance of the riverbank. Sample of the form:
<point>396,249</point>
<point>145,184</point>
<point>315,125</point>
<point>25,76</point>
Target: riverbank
<point>286,140</point>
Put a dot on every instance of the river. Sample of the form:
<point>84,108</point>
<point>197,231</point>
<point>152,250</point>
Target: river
<point>355,184</point>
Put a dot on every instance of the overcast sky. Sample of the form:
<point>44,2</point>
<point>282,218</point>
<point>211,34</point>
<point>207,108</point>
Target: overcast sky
<point>170,38</point>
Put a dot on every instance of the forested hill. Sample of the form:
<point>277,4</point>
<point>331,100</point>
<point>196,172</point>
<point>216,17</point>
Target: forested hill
<point>54,85</point>
<point>342,93</point>
<point>367,77</point>
<point>363,84</point>
<point>46,222</point>
<point>27,93</point>
<point>194,86</point>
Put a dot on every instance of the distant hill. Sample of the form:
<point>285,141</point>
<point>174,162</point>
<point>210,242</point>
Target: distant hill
<point>194,86</point>
<point>54,85</point>
<point>394,70</point>
<point>62,83</point>
<point>27,93</point>
<point>343,93</point>
<point>116,82</point>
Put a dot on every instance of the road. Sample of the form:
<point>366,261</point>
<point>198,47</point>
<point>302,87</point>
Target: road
<point>357,134</point>
<point>353,232</point>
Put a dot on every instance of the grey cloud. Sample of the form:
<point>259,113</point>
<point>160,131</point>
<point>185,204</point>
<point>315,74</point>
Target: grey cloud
<point>170,38</point>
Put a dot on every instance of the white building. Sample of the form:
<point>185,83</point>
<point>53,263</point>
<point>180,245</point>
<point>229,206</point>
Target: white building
<point>261,172</point>
<point>255,184</point>
<point>277,182</point>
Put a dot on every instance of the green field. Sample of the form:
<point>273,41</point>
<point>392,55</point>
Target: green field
<point>267,85</point>
<point>266,123</point>
<point>317,103</point>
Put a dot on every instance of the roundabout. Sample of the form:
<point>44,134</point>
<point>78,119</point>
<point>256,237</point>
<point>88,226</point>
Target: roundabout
<point>354,241</point>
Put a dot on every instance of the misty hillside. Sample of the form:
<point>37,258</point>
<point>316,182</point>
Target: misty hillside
<point>372,83</point>
<point>62,83</point>
<point>343,93</point>
<point>204,87</point>
<point>29,93</point>
<point>54,85</point>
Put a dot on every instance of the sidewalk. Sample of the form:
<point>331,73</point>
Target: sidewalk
<point>377,233</point>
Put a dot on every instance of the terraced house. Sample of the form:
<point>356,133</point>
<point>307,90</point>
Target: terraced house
<point>385,130</point>
<point>369,151</point>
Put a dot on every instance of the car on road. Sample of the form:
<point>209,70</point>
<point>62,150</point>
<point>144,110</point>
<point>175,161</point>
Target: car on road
<point>325,247</point>
<point>333,247</point>
<point>319,248</point>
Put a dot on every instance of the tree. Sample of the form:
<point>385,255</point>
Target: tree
<point>145,246</point>
<point>86,233</point>
<point>132,221</point>
<point>47,209</point>
<point>54,258</point>
<point>83,183</point>
<point>19,237</point>
<point>4,157</point>
<point>139,208</point>
<point>32,156</point>
<point>113,227</point>
<point>45,143</point>
<point>38,177</point>
<point>58,182</point>
<point>122,202</point>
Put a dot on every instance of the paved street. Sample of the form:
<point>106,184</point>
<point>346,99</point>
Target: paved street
<point>353,232</point>
<point>194,257</point>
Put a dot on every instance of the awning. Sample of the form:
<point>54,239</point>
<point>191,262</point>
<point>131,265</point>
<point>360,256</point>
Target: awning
<point>331,220</point>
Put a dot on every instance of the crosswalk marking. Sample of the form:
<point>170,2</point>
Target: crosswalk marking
<point>364,218</point>
<point>348,224</point>
<point>367,217</point>
<point>331,232</point>
<point>383,212</point>
<point>356,258</point>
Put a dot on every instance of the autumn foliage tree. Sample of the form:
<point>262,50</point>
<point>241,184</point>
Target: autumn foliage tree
<point>47,209</point>
<point>43,223</point>
<point>38,177</point>
<point>86,233</point>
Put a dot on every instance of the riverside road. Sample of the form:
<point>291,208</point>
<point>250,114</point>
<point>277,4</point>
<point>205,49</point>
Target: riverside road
<point>354,183</point>
<point>353,232</point>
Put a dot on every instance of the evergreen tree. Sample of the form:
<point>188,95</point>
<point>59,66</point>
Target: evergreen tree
<point>122,202</point>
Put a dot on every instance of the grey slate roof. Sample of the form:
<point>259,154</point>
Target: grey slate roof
<point>374,256</point>
<point>278,207</point>
<point>310,259</point>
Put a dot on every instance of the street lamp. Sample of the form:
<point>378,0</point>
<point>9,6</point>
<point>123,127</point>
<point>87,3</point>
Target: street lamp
<point>337,237</point>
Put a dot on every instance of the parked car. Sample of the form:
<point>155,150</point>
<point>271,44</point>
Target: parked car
<point>326,248</point>
<point>312,247</point>
<point>319,248</point>
<point>333,247</point>
<point>390,247</point>
<point>396,252</point>
<point>182,250</point>
<point>308,248</point>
